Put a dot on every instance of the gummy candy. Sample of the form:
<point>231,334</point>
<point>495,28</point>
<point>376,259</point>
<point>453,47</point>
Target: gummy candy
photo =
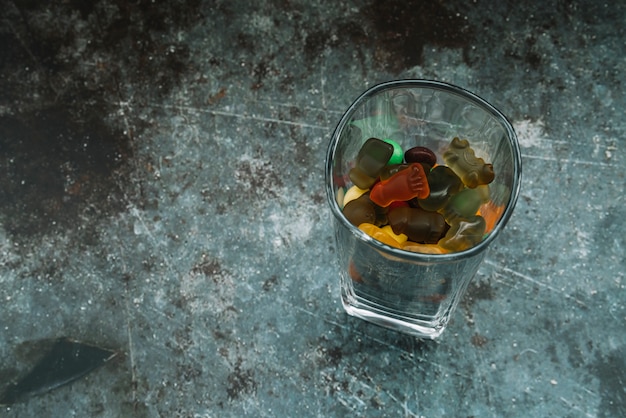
<point>353,192</point>
<point>491,212</point>
<point>464,233</point>
<point>465,203</point>
<point>379,234</point>
<point>443,183</point>
<point>472,170</point>
<point>404,185</point>
<point>420,155</point>
<point>354,273</point>
<point>360,210</point>
<point>401,238</point>
<point>398,204</point>
<point>339,196</point>
<point>417,224</point>
<point>397,157</point>
<point>372,157</point>
<point>412,206</point>
<point>361,179</point>
<point>390,170</point>
<point>423,248</point>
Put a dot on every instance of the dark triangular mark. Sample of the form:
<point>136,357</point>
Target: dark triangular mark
<point>67,361</point>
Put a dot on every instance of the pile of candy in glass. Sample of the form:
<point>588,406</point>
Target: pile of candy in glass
<point>408,201</point>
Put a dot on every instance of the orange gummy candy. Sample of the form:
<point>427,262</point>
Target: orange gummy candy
<point>402,186</point>
<point>491,213</point>
<point>354,273</point>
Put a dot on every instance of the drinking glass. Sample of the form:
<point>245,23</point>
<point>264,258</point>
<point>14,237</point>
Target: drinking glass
<point>407,291</point>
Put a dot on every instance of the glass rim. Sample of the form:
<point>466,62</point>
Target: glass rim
<point>449,88</point>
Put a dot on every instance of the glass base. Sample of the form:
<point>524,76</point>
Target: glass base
<point>424,327</point>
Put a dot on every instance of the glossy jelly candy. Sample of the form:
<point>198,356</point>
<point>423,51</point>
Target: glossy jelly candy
<point>363,210</point>
<point>401,238</point>
<point>372,157</point>
<point>417,224</point>
<point>420,155</point>
<point>379,234</point>
<point>340,196</point>
<point>361,179</point>
<point>391,169</point>
<point>404,185</point>
<point>398,204</point>
<point>360,210</point>
<point>397,156</point>
<point>406,201</point>
<point>353,192</point>
<point>423,248</point>
<point>354,272</point>
<point>465,203</point>
<point>492,213</point>
<point>464,233</point>
<point>443,183</point>
<point>472,170</point>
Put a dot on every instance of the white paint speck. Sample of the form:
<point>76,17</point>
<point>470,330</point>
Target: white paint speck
<point>293,224</point>
<point>583,239</point>
<point>529,133</point>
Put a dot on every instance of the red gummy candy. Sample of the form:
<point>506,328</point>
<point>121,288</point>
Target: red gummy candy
<point>398,204</point>
<point>404,185</point>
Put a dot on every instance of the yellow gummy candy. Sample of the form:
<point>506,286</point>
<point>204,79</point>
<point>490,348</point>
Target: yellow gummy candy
<point>340,196</point>
<point>378,234</point>
<point>353,193</point>
<point>423,248</point>
<point>401,238</point>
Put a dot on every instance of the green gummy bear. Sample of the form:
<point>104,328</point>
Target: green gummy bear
<point>464,233</point>
<point>465,203</point>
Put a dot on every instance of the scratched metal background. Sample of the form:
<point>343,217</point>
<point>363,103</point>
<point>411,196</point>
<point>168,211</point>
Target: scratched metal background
<point>161,194</point>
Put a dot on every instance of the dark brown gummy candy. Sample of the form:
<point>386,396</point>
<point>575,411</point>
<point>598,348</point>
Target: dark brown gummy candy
<point>363,210</point>
<point>419,225</point>
<point>359,211</point>
<point>373,156</point>
<point>420,155</point>
<point>443,183</point>
<point>390,170</point>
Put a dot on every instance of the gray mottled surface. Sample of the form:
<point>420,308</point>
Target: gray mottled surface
<point>161,194</point>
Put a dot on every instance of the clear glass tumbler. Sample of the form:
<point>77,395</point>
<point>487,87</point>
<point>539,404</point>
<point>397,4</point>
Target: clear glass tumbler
<point>413,292</point>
